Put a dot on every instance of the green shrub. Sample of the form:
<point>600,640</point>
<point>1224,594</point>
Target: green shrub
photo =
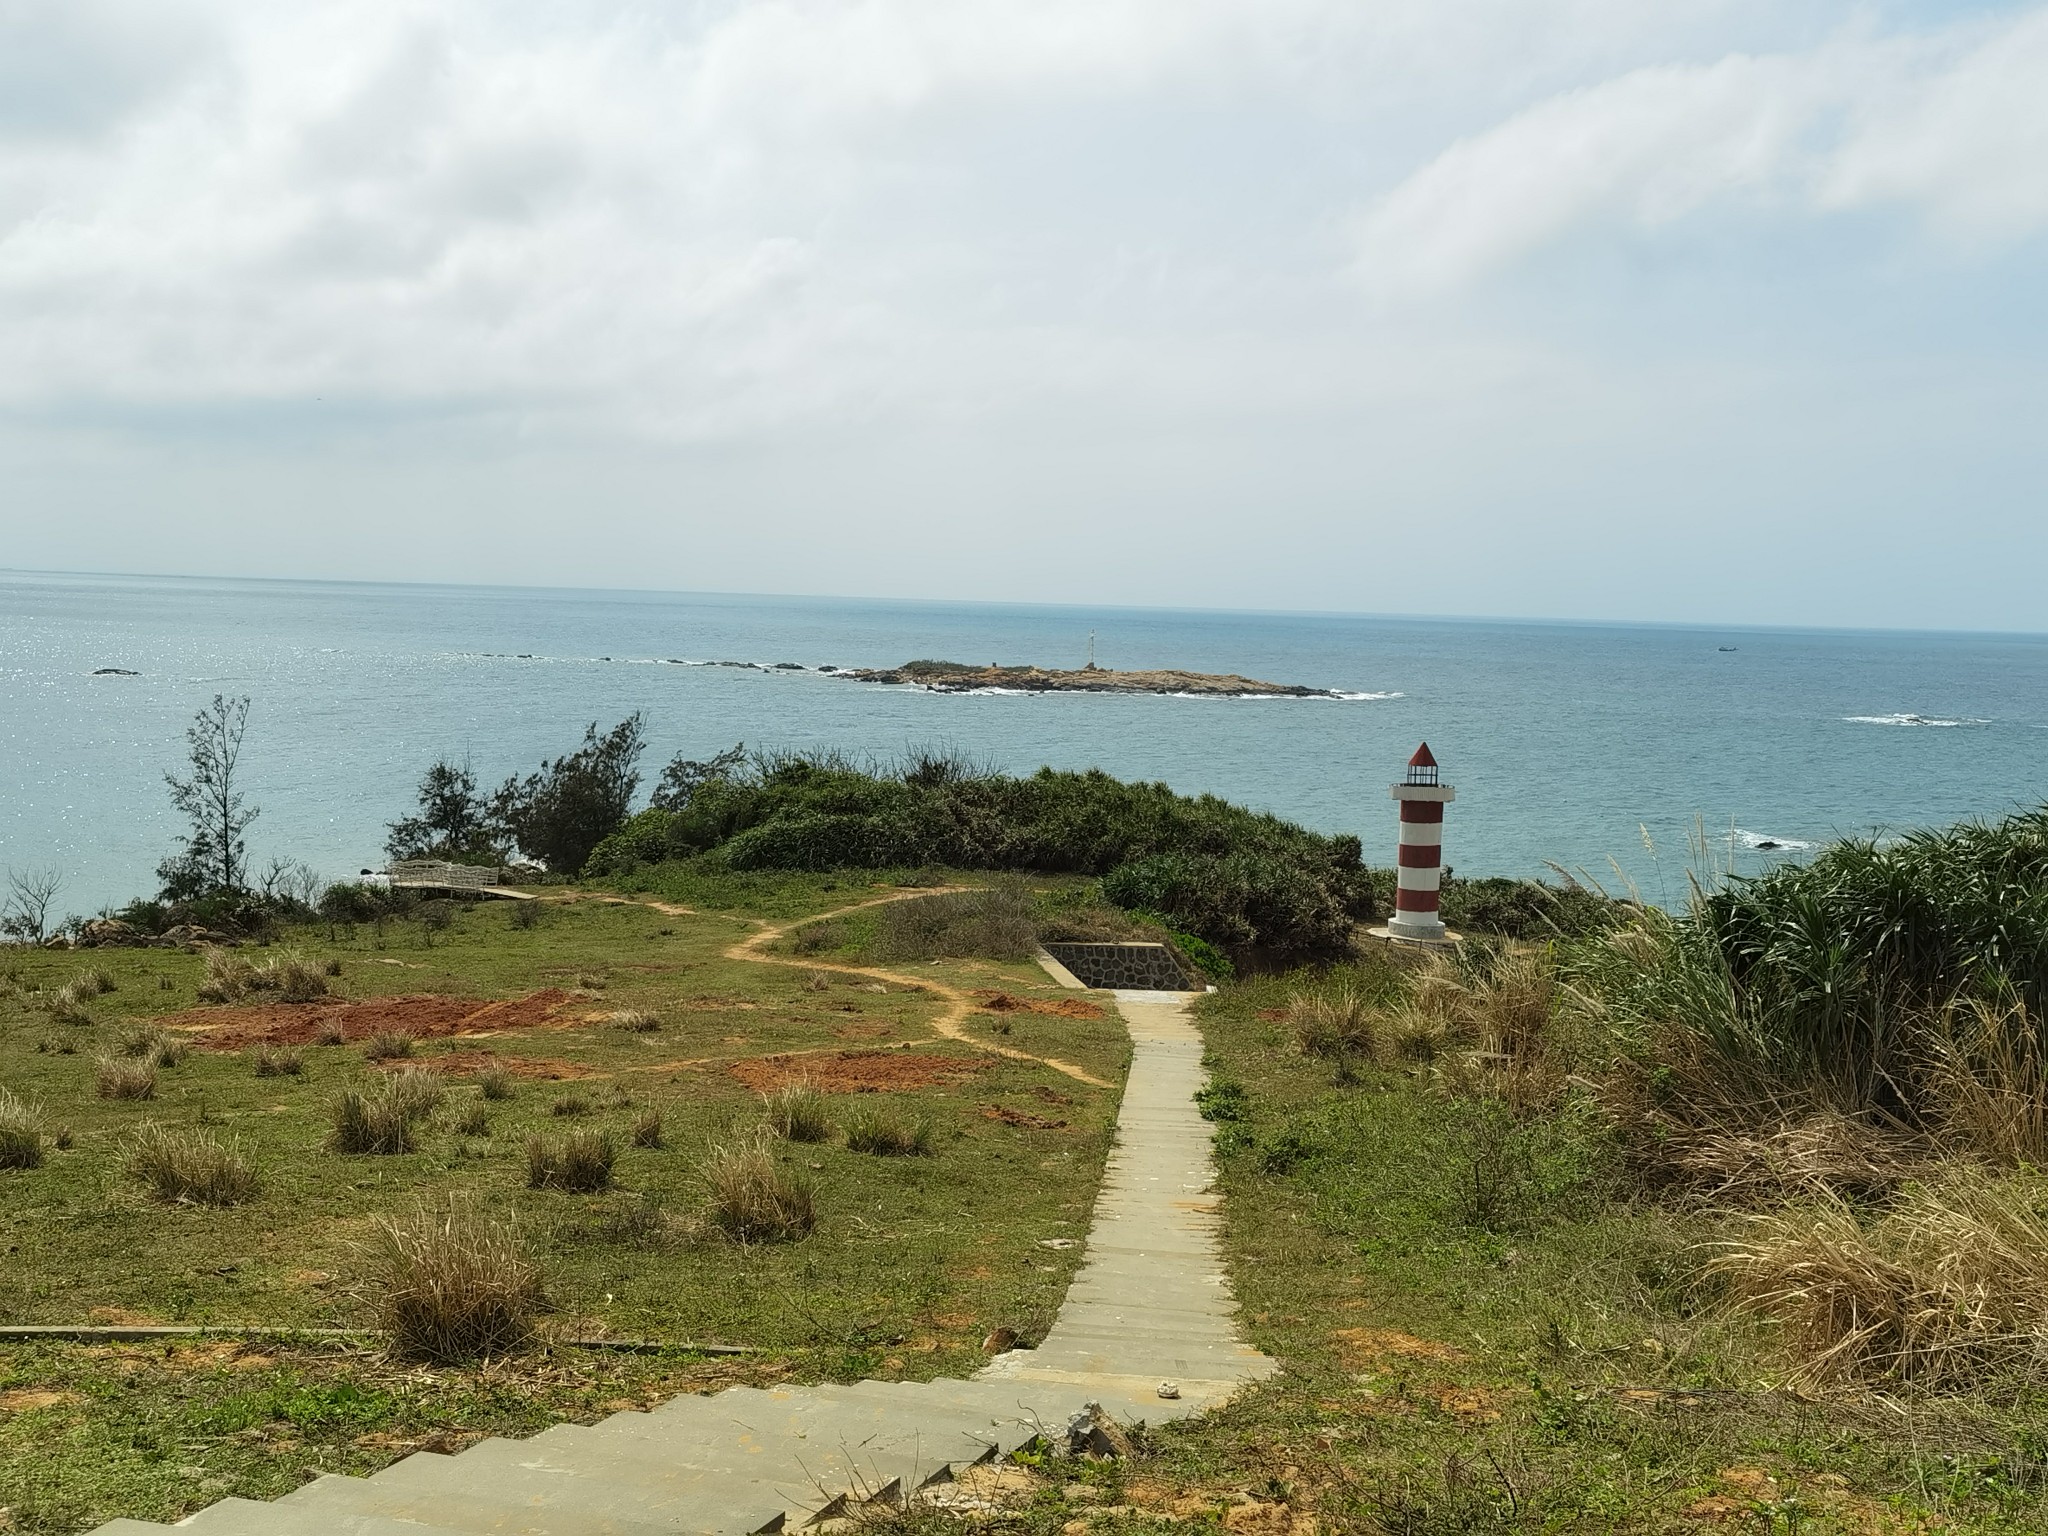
<point>1223,1101</point>
<point>1235,878</point>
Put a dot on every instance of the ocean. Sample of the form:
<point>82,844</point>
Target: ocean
<point>1591,746</point>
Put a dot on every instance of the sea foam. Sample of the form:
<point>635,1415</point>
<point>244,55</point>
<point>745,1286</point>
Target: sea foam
<point>1912,719</point>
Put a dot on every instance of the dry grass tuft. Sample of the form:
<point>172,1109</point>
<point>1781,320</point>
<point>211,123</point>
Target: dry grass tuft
<point>647,1127</point>
<point>124,1077</point>
<point>580,1162</point>
<point>1337,1023</point>
<point>570,1104</point>
<point>380,1121</point>
<point>271,1061</point>
<point>476,1119</point>
<point>417,1091</point>
<point>1988,1083</point>
<point>818,981</point>
<point>637,1021</point>
<point>21,1132</point>
<point>881,1132</point>
<point>287,976</point>
<point>190,1167</point>
<point>451,1284</point>
<point>329,1033</point>
<point>796,1111</point>
<point>388,1045</point>
<point>145,1040</point>
<point>1821,1152</point>
<point>496,1083</point>
<point>753,1198</point>
<point>1945,1287</point>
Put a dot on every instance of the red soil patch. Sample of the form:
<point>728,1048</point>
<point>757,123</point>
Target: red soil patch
<point>1274,1015</point>
<point>1024,1120</point>
<point>856,1071</point>
<point>425,1017</point>
<point>1062,1008</point>
<point>470,1063</point>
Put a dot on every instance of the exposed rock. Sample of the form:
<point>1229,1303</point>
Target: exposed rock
<point>960,677</point>
<point>193,936</point>
<point>110,933</point>
<point>114,672</point>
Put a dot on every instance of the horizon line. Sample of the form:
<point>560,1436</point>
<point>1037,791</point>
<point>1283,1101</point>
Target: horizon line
<point>1734,626</point>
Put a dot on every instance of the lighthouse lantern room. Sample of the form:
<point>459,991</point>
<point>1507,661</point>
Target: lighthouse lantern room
<point>1423,796</point>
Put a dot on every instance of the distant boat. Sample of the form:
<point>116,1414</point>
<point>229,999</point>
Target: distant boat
<point>1729,647</point>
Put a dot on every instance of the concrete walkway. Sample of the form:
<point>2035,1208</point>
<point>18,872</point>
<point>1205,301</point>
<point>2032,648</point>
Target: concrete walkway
<point>1151,1303</point>
<point>1150,1307</point>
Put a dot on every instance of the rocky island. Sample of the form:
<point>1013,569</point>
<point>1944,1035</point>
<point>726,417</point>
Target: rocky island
<point>961,677</point>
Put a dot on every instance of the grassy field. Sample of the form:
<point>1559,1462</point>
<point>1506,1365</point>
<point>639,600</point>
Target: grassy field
<point>1488,1326</point>
<point>608,1009</point>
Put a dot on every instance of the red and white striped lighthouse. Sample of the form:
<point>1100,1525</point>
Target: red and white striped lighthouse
<point>1422,799</point>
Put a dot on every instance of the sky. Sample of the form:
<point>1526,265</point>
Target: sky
<point>1712,310</point>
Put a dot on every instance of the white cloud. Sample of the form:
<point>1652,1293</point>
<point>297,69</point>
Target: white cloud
<point>1086,266</point>
<point>694,218</point>
<point>1951,123</point>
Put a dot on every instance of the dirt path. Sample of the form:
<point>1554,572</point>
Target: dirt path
<point>951,1024</point>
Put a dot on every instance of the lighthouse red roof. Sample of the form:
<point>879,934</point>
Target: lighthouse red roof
<point>1423,757</point>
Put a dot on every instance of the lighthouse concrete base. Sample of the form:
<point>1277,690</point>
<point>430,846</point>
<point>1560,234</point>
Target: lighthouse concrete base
<point>1449,940</point>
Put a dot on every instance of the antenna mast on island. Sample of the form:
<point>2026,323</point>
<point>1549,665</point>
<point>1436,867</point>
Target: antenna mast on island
<point>1091,650</point>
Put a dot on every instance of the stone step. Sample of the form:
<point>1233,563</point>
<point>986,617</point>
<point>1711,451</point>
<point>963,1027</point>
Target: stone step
<point>812,1446</point>
<point>252,1517</point>
<point>487,1499</point>
<point>1148,1304</point>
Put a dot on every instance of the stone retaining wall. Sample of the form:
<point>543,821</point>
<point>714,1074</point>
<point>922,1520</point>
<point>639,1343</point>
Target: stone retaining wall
<point>1131,967</point>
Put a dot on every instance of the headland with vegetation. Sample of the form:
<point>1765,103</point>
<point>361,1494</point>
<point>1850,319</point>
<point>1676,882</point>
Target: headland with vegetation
<point>1612,1218</point>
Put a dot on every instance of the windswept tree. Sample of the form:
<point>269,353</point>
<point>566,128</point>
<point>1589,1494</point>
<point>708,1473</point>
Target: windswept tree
<point>683,777</point>
<point>215,858</point>
<point>25,915</point>
<point>574,803</point>
<point>454,820</point>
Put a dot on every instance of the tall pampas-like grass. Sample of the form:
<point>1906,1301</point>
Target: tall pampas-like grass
<point>1945,1287</point>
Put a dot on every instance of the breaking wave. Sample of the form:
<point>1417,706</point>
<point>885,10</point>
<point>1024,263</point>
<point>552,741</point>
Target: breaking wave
<point>1912,719</point>
<point>1767,844</point>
